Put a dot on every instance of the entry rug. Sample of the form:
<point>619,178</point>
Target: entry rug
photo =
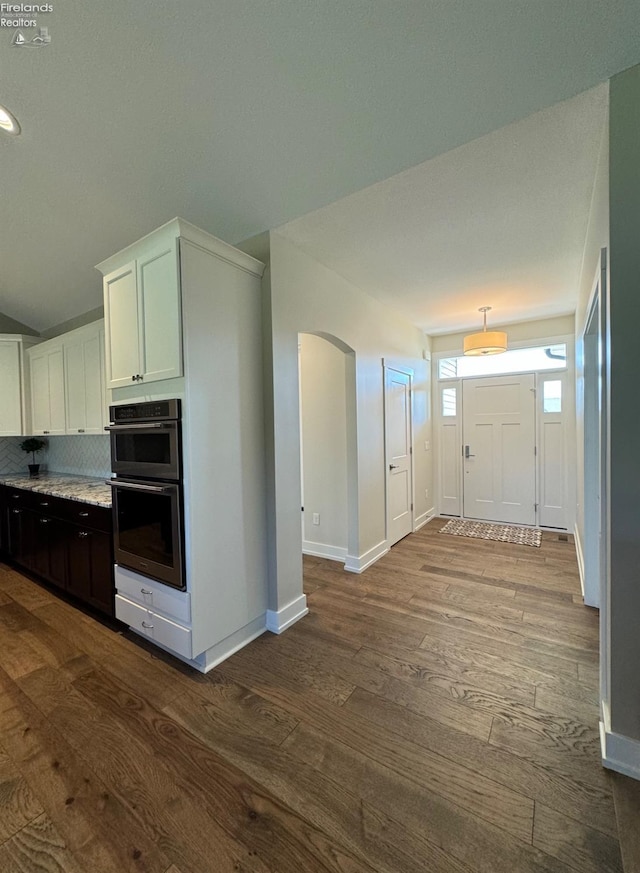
<point>504,533</point>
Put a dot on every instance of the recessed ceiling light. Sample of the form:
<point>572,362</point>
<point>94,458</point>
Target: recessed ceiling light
<point>8,122</point>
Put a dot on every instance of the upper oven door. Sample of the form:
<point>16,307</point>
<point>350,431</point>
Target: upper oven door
<point>150,450</point>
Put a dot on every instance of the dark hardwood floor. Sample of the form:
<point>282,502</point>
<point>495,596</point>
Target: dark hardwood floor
<point>437,714</point>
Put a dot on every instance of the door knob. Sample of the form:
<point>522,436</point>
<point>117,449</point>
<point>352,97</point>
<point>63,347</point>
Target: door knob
<point>467,454</point>
<point>393,466</point>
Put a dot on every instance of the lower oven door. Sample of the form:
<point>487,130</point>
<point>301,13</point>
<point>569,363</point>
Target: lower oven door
<point>147,529</point>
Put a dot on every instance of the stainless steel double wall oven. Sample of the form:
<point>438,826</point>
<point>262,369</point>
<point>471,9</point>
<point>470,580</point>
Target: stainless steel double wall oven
<point>146,462</point>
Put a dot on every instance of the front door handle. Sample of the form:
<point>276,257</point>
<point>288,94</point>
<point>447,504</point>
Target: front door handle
<point>393,466</point>
<point>467,453</point>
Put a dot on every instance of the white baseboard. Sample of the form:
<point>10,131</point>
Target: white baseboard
<point>579,555</point>
<point>620,753</point>
<point>280,620</point>
<point>356,564</point>
<point>321,550</point>
<point>222,650</point>
<point>229,646</point>
<point>423,519</point>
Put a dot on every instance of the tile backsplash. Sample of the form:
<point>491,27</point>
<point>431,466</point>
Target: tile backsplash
<point>12,458</point>
<point>86,454</point>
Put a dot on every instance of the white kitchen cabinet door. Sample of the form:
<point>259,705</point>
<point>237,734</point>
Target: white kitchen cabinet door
<point>143,325</point>
<point>122,341</point>
<point>159,314</point>
<point>47,391</point>
<point>84,380</point>
<point>10,389</point>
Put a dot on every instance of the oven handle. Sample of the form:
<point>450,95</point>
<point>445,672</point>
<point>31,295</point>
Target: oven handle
<point>156,425</point>
<point>158,489</point>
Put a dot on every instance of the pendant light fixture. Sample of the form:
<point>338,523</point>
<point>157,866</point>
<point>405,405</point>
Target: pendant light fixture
<point>487,342</point>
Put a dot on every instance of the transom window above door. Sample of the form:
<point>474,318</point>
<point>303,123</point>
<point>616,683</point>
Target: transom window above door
<point>550,357</point>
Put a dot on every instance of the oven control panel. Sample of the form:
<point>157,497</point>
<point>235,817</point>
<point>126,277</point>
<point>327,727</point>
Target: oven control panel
<point>153,410</point>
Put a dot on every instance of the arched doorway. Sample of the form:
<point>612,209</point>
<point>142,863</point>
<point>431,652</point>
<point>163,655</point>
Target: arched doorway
<point>328,453</point>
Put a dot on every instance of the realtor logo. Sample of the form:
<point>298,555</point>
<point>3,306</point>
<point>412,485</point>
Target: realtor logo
<point>41,38</point>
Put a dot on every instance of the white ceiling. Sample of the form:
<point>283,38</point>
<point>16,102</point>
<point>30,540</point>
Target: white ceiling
<point>241,115</point>
<point>500,221</point>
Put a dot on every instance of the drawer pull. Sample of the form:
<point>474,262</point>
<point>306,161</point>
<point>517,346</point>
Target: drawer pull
<point>16,496</point>
<point>145,591</point>
<point>44,503</point>
<point>147,626</point>
<point>83,534</point>
<point>44,521</point>
<point>83,514</point>
<point>80,430</point>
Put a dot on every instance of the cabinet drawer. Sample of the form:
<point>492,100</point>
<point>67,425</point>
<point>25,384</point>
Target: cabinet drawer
<point>154,627</point>
<point>18,497</point>
<point>45,504</point>
<point>88,515</point>
<point>176,605</point>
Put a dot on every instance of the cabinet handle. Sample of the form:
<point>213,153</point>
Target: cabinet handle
<point>83,533</point>
<point>16,496</point>
<point>16,511</point>
<point>45,520</point>
<point>148,626</point>
<point>145,591</point>
<point>45,431</point>
<point>44,503</point>
<point>80,430</point>
<point>83,514</point>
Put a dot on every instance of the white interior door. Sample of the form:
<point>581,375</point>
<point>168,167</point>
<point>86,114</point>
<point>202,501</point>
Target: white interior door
<point>397,411</point>
<point>499,449</point>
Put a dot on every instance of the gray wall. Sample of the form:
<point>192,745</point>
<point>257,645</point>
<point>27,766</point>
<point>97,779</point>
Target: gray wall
<point>624,187</point>
<point>10,325</point>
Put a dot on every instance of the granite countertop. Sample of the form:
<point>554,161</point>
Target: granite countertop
<point>86,489</point>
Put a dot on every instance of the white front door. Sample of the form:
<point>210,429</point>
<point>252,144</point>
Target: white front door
<point>499,449</point>
<point>397,416</point>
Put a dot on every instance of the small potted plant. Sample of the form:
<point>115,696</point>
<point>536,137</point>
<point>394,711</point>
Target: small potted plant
<point>33,445</point>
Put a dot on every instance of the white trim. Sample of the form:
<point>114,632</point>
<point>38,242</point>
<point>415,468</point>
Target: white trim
<point>423,519</point>
<point>179,228</point>
<point>355,564</point>
<point>321,550</point>
<point>400,366</point>
<point>619,753</point>
<point>579,554</point>
<point>221,651</point>
<point>280,620</point>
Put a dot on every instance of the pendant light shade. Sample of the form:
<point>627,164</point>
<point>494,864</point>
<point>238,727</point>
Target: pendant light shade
<point>487,342</point>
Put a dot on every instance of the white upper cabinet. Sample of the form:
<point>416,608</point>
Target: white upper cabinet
<point>67,382</point>
<point>143,330</point>
<point>47,388</point>
<point>12,384</point>
<point>84,379</point>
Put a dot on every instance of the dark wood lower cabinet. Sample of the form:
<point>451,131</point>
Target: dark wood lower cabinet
<point>42,536</point>
<point>91,568</point>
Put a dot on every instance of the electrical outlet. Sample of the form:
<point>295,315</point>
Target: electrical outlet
<point>316,518</point>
